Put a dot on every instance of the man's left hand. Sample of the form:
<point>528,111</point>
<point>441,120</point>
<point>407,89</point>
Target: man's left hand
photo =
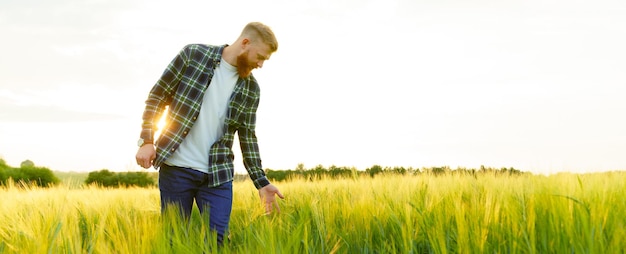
<point>267,195</point>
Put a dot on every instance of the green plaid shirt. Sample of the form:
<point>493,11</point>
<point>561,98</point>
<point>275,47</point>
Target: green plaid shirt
<point>181,89</point>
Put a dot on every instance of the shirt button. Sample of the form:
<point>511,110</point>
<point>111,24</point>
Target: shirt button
<point>185,132</point>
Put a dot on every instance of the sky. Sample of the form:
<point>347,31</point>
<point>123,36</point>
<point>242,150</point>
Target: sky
<point>538,85</point>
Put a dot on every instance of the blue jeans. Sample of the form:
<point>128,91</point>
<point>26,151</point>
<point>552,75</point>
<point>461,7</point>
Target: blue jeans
<point>181,186</point>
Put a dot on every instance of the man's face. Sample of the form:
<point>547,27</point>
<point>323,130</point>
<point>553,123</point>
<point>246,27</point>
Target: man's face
<point>253,56</point>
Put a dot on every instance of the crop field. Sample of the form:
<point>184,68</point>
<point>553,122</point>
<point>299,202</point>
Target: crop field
<point>453,213</point>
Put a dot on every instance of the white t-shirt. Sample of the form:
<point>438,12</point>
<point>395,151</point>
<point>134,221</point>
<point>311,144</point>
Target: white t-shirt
<point>193,152</point>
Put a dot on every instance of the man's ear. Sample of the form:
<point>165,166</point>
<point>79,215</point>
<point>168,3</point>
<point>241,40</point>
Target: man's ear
<point>245,42</point>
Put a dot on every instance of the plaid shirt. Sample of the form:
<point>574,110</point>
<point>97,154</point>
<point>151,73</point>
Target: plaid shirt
<point>181,89</point>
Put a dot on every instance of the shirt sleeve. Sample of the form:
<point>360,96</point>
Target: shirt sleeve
<point>161,93</point>
<point>250,148</point>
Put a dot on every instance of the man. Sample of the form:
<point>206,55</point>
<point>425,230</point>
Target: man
<point>210,94</point>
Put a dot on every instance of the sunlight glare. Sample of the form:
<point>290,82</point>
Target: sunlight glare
<point>160,125</point>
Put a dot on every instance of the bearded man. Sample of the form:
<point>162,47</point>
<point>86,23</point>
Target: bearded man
<point>210,94</point>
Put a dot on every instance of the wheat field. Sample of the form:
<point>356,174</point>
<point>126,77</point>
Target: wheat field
<point>454,213</point>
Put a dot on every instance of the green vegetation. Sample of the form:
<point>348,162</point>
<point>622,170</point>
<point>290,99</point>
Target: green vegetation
<point>107,178</point>
<point>450,212</point>
<point>30,175</point>
<point>27,174</point>
<point>3,172</point>
<point>335,172</point>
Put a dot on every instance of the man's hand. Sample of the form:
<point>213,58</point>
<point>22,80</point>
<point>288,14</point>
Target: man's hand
<point>269,200</point>
<point>145,155</point>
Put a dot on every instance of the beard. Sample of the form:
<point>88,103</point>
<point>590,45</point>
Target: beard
<point>243,66</point>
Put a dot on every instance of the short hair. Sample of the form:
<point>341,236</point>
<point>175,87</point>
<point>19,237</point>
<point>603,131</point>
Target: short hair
<point>257,30</point>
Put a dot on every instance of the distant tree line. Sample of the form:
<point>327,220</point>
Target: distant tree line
<point>481,170</point>
<point>107,178</point>
<point>30,175</point>
<point>334,172</point>
<point>27,174</point>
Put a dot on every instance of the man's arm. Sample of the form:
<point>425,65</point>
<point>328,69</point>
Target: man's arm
<point>159,97</point>
<point>251,156</point>
<point>161,93</point>
<point>252,162</point>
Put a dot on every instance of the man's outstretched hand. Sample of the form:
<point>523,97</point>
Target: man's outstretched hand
<point>268,197</point>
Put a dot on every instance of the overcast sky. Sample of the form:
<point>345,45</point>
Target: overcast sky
<point>531,84</point>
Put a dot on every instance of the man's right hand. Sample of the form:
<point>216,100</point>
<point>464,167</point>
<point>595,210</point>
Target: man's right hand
<point>145,155</point>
